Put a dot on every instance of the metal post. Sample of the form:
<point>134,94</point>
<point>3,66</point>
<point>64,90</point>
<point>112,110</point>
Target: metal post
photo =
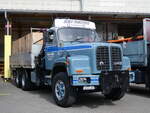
<point>7,23</point>
<point>7,48</point>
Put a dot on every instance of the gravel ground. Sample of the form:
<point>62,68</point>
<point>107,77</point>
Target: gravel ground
<point>14,100</point>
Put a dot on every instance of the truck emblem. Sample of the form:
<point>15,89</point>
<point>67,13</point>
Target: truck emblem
<point>101,63</point>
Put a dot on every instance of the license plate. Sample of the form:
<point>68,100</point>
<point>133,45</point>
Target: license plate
<point>88,88</point>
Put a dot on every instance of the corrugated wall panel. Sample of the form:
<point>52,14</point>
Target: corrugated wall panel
<point>58,5</point>
<point>122,6</point>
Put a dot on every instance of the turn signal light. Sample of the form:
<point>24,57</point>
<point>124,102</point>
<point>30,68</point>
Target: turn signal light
<point>79,71</point>
<point>129,69</point>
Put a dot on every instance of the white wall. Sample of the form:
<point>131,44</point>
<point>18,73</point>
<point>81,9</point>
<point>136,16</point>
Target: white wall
<point>126,6</point>
<point>59,5</point>
<point>130,6</point>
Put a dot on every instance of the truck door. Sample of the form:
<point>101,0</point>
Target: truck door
<point>137,52</point>
<point>50,49</point>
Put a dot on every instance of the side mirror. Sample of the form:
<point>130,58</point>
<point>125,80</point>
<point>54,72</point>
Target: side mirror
<point>51,37</point>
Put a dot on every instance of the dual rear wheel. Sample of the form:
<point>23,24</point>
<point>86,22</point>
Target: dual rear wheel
<point>22,79</point>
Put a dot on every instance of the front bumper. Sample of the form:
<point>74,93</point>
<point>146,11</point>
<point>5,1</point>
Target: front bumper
<point>105,81</point>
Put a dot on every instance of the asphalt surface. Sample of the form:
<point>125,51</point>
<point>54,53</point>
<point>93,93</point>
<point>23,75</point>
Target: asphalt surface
<point>15,100</point>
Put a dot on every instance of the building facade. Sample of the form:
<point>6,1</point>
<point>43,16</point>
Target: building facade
<point>84,6</point>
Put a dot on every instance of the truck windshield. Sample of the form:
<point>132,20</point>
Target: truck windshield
<point>77,35</point>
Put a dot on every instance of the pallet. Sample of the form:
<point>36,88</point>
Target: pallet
<point>1,69</point>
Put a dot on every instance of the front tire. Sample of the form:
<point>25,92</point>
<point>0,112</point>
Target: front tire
<point>63,93</point>
<point>115,94</point>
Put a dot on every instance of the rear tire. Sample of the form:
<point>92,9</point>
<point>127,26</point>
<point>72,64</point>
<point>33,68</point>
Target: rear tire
<point>115,94</point>
<point>63,93</point>
<point>26,81</point>
<point>17,78</point>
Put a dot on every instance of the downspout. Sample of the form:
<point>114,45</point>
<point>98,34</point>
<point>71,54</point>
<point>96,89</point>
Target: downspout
<point>7,23</point>
<point>81,5</point>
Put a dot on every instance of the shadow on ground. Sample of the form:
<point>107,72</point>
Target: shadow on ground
<point>91,100</point>
<point>139,91</point>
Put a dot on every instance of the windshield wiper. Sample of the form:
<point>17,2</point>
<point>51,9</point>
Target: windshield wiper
<point>77,39</point>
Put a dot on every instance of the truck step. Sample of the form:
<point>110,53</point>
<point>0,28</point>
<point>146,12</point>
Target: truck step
<point>48,76</point>
<point>47,80</point>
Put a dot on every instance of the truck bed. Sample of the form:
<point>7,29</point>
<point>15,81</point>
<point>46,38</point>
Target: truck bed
<point>137,52</point>
<point>25,49</point>
<point>26,59</point>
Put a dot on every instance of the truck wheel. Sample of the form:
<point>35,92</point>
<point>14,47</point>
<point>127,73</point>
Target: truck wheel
<point>26,81</point>
<point>63,93</point>
<point>17,78</point>
<point>115,94</point>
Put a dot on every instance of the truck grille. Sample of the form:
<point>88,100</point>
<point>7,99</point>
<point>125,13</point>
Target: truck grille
<point>104,62</point>
<point>116,61</point>
<point>102,58</point>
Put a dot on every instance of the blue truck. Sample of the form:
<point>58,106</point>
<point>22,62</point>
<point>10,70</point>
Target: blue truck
<point>138,51</point>
<point>71,59</point>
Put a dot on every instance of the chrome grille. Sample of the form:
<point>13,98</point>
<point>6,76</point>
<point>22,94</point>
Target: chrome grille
<point>116,60</point>
<point>102,58</point>
<point>104,62</point>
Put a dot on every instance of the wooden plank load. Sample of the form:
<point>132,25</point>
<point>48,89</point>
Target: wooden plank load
<point>24,43</point>
<point>1,69</point>
<point>25,49</point>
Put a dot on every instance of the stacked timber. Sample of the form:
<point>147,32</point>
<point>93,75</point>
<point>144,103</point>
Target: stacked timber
<point>1,68</point>
<point>24,43</point>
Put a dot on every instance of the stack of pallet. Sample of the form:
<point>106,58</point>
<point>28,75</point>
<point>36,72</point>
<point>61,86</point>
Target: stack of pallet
<point>1,68</point>
<point>24,43</point>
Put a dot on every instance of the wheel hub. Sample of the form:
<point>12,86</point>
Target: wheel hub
<point>23,80</point>
<point>60,90</point>
<point>17,79</point>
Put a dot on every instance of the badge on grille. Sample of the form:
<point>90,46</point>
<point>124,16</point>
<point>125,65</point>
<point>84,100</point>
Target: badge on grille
<point>101,63</point>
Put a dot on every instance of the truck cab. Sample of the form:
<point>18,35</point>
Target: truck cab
<point>72,59</point>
